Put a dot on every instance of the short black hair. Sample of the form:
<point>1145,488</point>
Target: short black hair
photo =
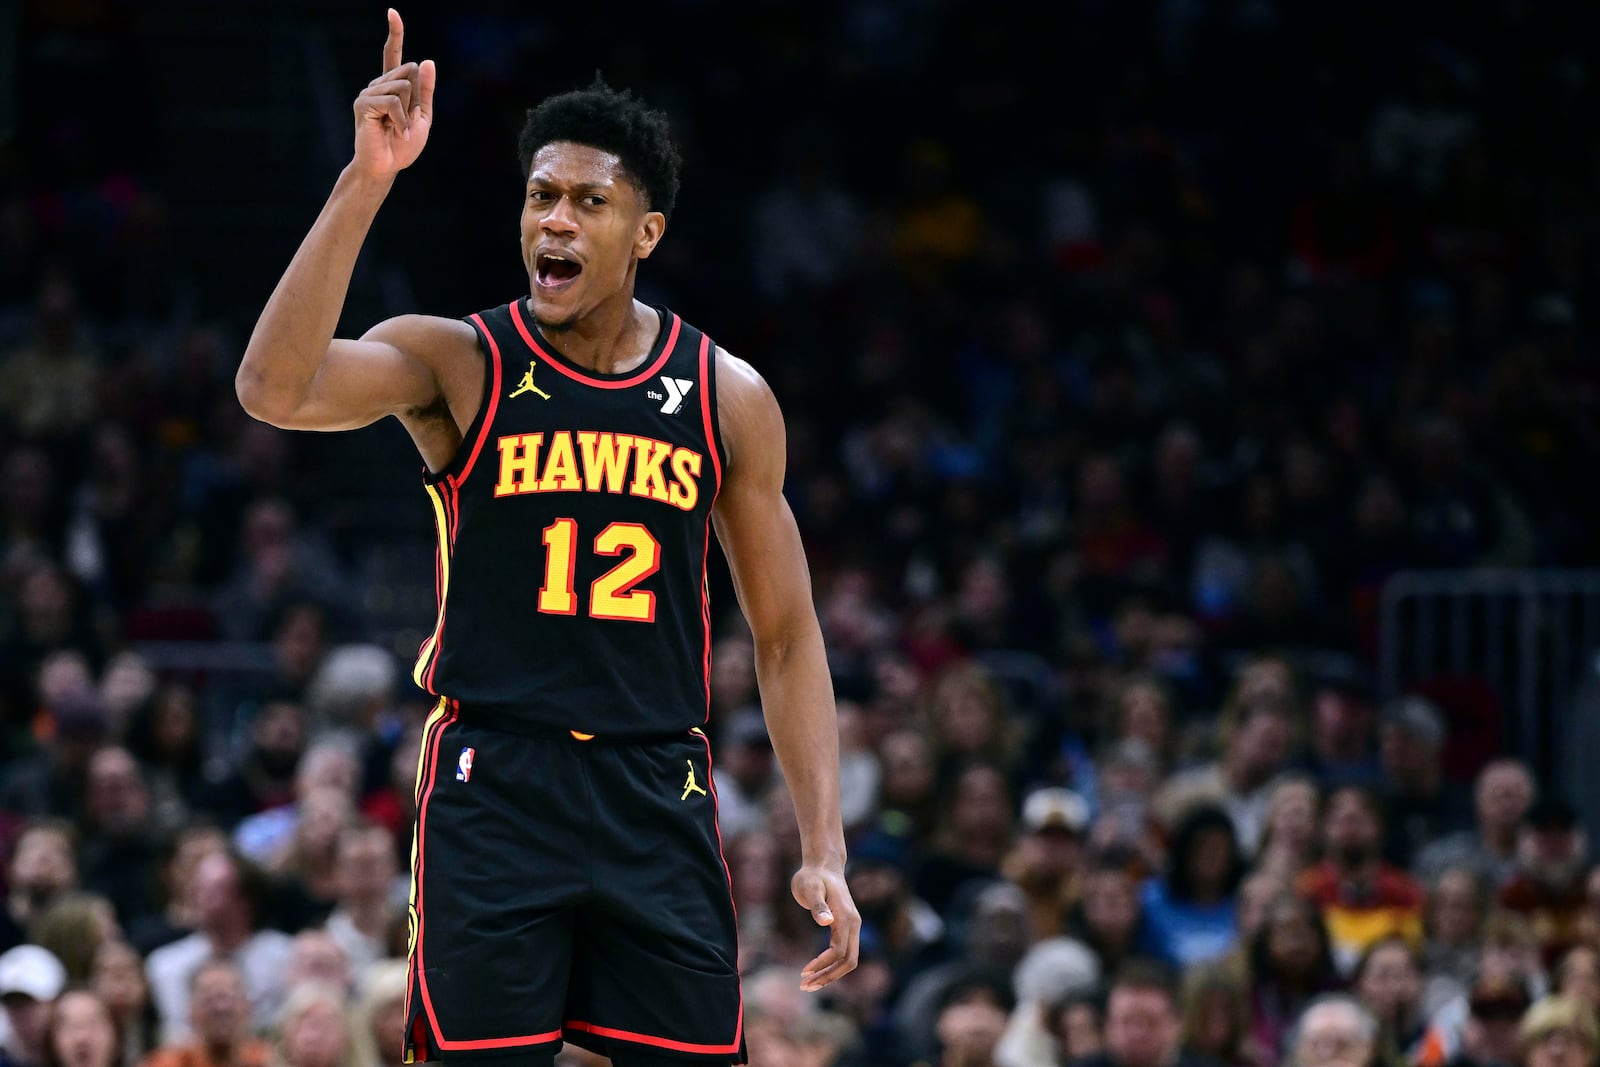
<point>613,121</point>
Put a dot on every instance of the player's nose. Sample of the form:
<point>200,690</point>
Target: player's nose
<point>561,218</point>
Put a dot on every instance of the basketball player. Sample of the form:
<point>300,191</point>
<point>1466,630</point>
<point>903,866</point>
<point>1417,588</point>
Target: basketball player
<point>567,881</point>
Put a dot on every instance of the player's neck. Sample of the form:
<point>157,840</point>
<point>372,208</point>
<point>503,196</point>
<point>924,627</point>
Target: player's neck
<point>614,338</point>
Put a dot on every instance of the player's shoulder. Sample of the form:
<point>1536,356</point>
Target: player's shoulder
<point>424,336</point>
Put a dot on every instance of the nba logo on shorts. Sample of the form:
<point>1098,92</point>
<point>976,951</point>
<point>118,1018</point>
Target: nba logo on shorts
<point>464,765</point>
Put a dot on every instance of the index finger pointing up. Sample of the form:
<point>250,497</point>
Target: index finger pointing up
<point>391,47</point>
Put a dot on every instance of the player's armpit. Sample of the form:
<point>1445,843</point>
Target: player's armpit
<point>401,365</point>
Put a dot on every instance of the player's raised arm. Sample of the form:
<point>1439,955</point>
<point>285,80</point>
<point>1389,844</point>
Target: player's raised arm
<point>294,373</point>
<point>768,561</point>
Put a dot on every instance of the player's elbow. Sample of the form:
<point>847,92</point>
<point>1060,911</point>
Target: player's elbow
<point>259,398</point>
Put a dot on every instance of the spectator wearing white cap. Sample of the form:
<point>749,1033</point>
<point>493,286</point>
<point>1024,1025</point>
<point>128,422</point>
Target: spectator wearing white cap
<point>1047,858</point>
<point>31,978</point>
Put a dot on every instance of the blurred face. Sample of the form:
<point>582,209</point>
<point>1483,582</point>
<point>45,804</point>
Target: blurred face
<point>755,868</point>
<point>219,1009</point>
<point>1256,894</point>
<point>1263,743</point>
<point>1210,858</point>
<point>1292,941</point>
<point>1553,856</point>
<point>1109,904</point>
<point>1504,794</point>
<point>1390,986</point>
<point>324,814</point>
<point>1215,1030</point>
<point>1292,815</point>
<point>195,846</point>
<point>1332,1035</point>
<point>1350,828</point>
<point>315,1037</point>
<point>117,798</point>
<point>317,957</point>
<point>216,890</point>
<point>1079,1033</point>
<point>389,1030</point>
<point>583,225</point>
<point>1141,1028</point>
<point>970,1031</point>
<point>1560,1048</point>
<point>29,1020</point>
<point>1455,908</point>
<point>907,768</point>
<point>118,978</point>
<point>83,1034</point>
<point>1580,976</point>
<point>366,865</point>
<point>42,863</point>
<point>1144,716</point>
<point>966,716</point>
<point>1404,756</point>
<point>983,809</point>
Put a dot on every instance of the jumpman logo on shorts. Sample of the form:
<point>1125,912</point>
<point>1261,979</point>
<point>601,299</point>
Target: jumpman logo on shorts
<point>690,785</point>
<point>526,385</point>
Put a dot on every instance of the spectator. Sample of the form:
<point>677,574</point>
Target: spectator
<point>318,1030</point>
<point>1362,898</point>
<point>1342,720</point>
<point>1190,911</point>
<point>316,958</point>
<point>330,765</point>
<point>1142,1024</point>
<point>1046,859</point>
<point>308,862</point>
<point>165,735</point>
<point>365,874</point>
<point>177,917</point>
<point>1290,966</point>
<point>1488,1036</point>
<point>265,776</point>
<point>219,1022</point>
<point>1421,805</point>
<point>81,1033</point>
<point>73,928</point>
<point>1388,981</point>
<point>1074,1021</point>
<point>229,894</point>
<point>118,980</point>
<point>1501,800</point>
<point>1335,1031</point>
<point>1216,1016</point>
<point>42,867</point>
<point>1289,841</point>
<point>1558,1032</point>
<point>119,852</point>
<point>743,772</point>
<point>1453,925</point>
<point>1257,747</point>
<point>1550,884</point>
<point>30,981</point>
<point>1109,917</point>
<point>1052,970</point>
<point>1578,975</point>
<point>907,930</point>
<point>974,836</point>
<point>382,1009</point>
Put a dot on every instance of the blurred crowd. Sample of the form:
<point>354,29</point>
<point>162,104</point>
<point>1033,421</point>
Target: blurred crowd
<point>1119,379</point>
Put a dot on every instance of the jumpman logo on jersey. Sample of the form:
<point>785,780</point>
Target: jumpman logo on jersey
<point>526,385</point>
<point>690,785</point>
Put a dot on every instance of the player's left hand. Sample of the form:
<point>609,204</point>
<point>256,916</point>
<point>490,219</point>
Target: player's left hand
<point>822,892</point>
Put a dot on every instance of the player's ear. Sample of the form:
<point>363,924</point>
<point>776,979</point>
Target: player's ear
<point>651,227</point>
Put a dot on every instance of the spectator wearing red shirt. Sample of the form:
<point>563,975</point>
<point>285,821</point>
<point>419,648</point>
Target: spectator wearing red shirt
<point>1362,899</point>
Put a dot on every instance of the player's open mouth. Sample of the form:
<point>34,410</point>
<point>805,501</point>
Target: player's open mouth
<point>553,271</point>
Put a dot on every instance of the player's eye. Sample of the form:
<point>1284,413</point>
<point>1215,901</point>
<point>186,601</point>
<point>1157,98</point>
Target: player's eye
<point>539,194</point>
<point>594,201</point>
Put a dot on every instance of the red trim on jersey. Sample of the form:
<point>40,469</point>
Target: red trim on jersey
<point>488,415</point>
<point>421,970</point>
<point>578,376</point>
<point>705,550</point>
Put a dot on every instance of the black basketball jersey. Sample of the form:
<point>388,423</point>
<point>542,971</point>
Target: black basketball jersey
<point>573,529</point>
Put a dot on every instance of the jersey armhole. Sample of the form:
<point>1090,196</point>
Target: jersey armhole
<point>460,466</point>
<point>708,409</point>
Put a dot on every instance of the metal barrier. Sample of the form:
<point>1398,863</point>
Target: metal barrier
<point>1530,636</point>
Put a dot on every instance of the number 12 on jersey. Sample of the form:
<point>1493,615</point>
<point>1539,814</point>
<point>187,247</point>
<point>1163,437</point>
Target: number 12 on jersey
<point>612,595</point>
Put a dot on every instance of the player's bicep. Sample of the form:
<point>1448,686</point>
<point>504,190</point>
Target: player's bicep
<point>391,369</point>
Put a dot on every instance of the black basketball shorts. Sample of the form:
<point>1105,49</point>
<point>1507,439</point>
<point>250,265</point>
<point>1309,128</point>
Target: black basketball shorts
<point>568,890</point>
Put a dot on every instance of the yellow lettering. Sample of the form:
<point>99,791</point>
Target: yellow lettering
<point>605,458</point>
<point>684,492</point>
<point>519,458</point>
<point>561,470</point>
<point>648,479</point>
